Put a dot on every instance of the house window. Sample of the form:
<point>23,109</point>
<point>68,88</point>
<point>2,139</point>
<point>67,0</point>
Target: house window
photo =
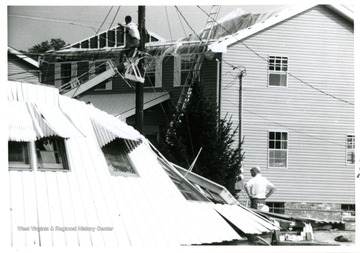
<point>153,74</point>
<point>116,155</point>
<point>276,207</point>
<point>65,73</point>
<point>189,191</point>
<point>348,208</point>
<point>278,67</point>
<point>101,67</point>
<point>278,143</point>
<point>19,153</point>
<point>150,74</point>
<point>186,66</point>
<point>350,149</point>
<point>51,154</point>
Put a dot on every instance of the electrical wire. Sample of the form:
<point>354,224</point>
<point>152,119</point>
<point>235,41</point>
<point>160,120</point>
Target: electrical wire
<point>188,23</point>
<point>284,126</point>
<point>52,20</point>
<point>182,26</point>
<point>104,20</point>
<point>167,17</point>
<point>112,22</point>
<point>265,59</point>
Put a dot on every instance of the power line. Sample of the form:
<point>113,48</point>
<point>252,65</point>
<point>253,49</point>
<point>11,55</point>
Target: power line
<point>53,20</point>
<point>187,23</point>
<point>112,22</point>
<point>265,59</point>
<point>104,20</point>
<point>167,18</point>
<point>285,126</point>
<point>182,26</point>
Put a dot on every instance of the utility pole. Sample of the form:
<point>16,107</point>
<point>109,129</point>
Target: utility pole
<point>139,99</point>
<point>242,73</point>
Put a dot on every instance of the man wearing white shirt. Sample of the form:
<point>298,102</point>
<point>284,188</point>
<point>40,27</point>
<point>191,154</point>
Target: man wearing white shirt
<point>258,188</point>
<point>132,36</point>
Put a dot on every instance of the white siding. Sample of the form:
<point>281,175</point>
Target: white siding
<point>19,72</point>
<point>320,47</point>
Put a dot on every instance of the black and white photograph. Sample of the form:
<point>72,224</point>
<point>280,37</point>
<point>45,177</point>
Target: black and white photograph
<point>180,126</point>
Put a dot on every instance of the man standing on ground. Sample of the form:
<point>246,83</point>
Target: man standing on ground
<point>258,188</point>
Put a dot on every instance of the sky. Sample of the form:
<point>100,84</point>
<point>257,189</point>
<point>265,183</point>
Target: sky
<point>31,25</point>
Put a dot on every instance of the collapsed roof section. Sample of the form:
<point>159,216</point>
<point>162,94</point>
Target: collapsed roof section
<point>93,197</point>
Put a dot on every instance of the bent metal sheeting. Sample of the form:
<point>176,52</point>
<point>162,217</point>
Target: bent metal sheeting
<point>87,205</point>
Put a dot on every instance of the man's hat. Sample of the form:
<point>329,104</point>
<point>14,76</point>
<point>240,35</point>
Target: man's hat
<point>257,168</point>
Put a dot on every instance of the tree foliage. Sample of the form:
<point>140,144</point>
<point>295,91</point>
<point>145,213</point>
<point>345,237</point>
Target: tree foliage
<point>199,126</point>
<point>53,44</point>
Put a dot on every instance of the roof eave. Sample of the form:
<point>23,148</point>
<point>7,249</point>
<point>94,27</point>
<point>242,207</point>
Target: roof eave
<point>220,46</point>
<point>23,57</point>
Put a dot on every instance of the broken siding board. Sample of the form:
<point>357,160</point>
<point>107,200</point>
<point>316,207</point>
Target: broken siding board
<point>223,230</point>
<point>237,220</point>
<point>253,219</point>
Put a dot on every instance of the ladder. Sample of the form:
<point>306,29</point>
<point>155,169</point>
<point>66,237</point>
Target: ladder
<point>77,86</point>
<point>194,73</point>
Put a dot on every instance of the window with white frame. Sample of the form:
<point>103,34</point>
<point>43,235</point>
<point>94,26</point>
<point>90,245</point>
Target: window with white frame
<point>19,153</point>
<point>153,74</point>
<point>186,65</point>
<point>99,68</point>
<point>278,149</point>
<point>66,74</point>
<point>350,149</point>
<point>116,155</point>
<point>182,67</point>
<point>51,154</point>
<point>278,67</point>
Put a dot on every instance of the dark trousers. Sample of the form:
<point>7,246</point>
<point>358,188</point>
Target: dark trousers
<point>255,202</point>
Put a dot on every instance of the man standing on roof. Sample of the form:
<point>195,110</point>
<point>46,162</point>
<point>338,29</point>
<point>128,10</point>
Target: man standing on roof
<point>258,188</point>
<point>132,36</point>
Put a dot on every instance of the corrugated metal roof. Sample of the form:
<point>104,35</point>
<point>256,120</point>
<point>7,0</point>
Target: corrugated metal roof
<point>123,105</point>
<point>36,117</point>
<point>107,128</point>
<point>146,209</point>
<point>20,123</point>
<point>75,207</point>
<point>244,219</point>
